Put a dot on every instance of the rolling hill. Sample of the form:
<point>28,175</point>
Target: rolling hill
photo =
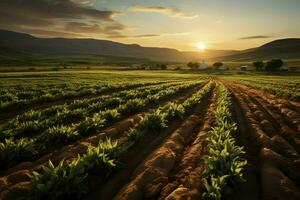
<point>27,46</point>
<point>24,49</point>
<point>284,49</point>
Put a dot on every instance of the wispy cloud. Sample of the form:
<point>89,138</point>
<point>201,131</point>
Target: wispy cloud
<point>85,2</point>
<point>172,12</point>
<point>62,17</point>
<point>256,37</point>
<point>146,35</point>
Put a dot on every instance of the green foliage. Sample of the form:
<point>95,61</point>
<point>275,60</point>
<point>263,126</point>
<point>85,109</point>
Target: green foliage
<point>277,86</point>
<point>193,101</point>
<point>214,187</point>
<point>64,180</point>
<point>54,124</point>
<point>259,65</point>
<point>91,124</point>
<point>218,64</point>
<point>102,156</point>
<point>24,128</point>
<point>134,135</point>
<point>61,134</point>
<point>153,122</point>
<point>132,106</point>
<point>111,115</point>
<point>173,111</point>
<point>13,151</point>
<point>274,65</point>
<point>193,65</point>
<point>223,165</point>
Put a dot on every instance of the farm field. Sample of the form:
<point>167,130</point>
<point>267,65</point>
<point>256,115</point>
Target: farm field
<point>108,134</point>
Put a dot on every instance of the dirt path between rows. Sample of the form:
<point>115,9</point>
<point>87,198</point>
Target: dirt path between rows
<point>270,145</point>
<point>140,154</point>
<point>250,189</point>
<point>16,175</point>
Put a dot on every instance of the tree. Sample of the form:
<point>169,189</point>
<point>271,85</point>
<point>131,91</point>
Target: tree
<point>193,65</point>
<point>217,65</point>
<point>259,65</point>
<point>274,65</point>
<point>163,66</point>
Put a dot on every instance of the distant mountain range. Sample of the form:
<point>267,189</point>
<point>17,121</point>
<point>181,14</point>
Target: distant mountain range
<point>284,48</point>
<point>20,48</point>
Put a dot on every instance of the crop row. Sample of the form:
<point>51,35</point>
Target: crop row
<point>14,151</point>
<point>32,122</point>
<point>156,121</point>
<point>288,90</point>
<point>68,178</point>
<point>223,165</point>
<point>7,102</point>
<point>20,92</point>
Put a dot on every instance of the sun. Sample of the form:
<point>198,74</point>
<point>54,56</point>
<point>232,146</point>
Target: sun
<point>201,46</point>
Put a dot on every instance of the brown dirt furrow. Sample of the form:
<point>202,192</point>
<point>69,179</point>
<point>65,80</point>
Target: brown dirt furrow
<point>279,177</point>
<point>261,144</point>
<point>185,177</point>
<point>125,121</point>
<point>149,163</point>
<point>18,174</point>
<point>289,110</point>
<point>251,189</point>
<point>271,122</point>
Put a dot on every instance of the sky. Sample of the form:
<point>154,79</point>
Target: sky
<point>180,24</point>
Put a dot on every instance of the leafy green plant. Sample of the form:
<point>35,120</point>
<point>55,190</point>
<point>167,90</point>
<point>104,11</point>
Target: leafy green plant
<point>131,107</point>
<point>223,165</point>
<point>134,135</point>
<point>61,134</point>
<point>214,187</point>
<point>153,122</point>
<point>26,128</point>
<point>111,115</point>
<point>173,111</point>
<point>13,151</point>
<point>64,180</point>
<point>91,124</point>
<point>103,156</point>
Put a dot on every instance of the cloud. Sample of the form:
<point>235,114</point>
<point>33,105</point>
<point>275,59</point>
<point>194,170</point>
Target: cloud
<point>172,12</point>
<point>255,37</point>
<point>146,35</point>
<point>151,35</point>
<point>62,17</point>
<point>85,2</point>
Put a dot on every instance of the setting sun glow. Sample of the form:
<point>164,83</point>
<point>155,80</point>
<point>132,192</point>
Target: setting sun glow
<point>201,46</point>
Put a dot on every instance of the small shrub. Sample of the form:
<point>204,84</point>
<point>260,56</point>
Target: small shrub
<point>134,135</point>
<point>173,111</point>
<point>152,123</point>
<point>91,124</point>
<point>14,151</point>
<point>64,180</point>
<point>61,134</point>
<point>111,115</point>
<point>132,106</point>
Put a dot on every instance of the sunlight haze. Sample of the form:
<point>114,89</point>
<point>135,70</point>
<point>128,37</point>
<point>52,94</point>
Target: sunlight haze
<point>176,24</point>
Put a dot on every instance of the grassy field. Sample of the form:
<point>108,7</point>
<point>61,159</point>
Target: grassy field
<point>118,134</point>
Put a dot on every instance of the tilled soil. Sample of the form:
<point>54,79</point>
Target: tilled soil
<point>169,165</point>
<point>157,156</point>
<point>15,178</point>
<point>271,140</point>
